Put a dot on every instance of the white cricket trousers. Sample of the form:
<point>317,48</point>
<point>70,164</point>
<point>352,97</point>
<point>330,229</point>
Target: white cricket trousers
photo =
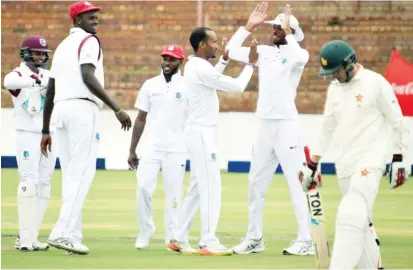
<point>78,146</point>
<point>172,166</point>
<point>204,188</point>
<point>278,142</point>
<point>355,240</point>
<point>33,194</point>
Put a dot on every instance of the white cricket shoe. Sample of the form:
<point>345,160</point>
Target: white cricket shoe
<point>38,246</point>
<point>248,246</point>
<point>182,247</point>
<point>25,247</point>
<point>215,249</point>
<point>142,242</point>
<point>300,248</point>
<point>68,245</point>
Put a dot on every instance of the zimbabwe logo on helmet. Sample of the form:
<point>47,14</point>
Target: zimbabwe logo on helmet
<point>324,61</point>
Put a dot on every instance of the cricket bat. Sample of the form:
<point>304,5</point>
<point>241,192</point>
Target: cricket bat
<point>318,226</point>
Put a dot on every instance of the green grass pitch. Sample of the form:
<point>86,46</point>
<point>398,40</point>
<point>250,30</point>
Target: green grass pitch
<point>110,226</point>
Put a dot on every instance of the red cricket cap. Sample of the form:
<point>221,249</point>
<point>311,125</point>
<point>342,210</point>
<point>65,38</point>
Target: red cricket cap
<point>81,7</point>
<point>175,51</point>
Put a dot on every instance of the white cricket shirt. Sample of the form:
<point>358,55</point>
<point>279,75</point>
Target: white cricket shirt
<point>280,71</point>
<point>74,50</point>
<point>357,120</point>
<point>203,80</point>
<point>166,107</point>
<point>22,87</point>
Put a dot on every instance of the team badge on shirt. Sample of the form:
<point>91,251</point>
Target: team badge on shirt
<point>364,172</point>
<point>359,100</point>
<point>97,136</point>
<point>214,157</point>
<point>178,95</point>
<point>26,154</point>
<point>284,61</point>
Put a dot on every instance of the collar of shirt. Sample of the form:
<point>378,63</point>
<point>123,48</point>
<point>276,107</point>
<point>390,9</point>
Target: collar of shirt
<point>196,58</point>
<point>77,30</point>
<point>25,69</point>
<point>176,75</point>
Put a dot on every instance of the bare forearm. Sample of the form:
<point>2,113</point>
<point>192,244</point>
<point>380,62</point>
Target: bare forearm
<point>48,104</point>
<point>250,27</point>
<point>138,128</point>
<point>96,88</point>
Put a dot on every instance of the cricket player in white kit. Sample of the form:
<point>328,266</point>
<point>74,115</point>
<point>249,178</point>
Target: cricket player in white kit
<point>161,100</point>
<point>359,111</point>
<point>278,142</point>
<point>76,89</point>
<point>203,80</point>
<point>27,85</point>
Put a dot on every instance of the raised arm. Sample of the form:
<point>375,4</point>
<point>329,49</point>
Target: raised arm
<point>224,59</point>
<point>299,55</point>
<point>212,78</point>
<point>257,17</point>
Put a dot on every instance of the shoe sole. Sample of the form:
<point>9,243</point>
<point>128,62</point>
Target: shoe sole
<point>34,249</point>
<point>258,250</point>
<point>285,252</point>
<point>172,247</point>
<point>206,252</point>
<point>58,246</point>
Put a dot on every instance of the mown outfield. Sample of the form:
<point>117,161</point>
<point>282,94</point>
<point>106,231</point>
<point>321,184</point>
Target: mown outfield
<point>110,226</point>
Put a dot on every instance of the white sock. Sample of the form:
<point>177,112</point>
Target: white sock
<point>26,205</point>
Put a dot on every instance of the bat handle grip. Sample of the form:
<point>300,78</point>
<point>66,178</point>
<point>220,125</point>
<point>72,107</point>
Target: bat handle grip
<point>312,186</point>
<point>307,154</point>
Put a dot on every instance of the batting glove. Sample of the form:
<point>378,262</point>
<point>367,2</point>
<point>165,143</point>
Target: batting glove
<point>308,175</point>
<point>397,174</point>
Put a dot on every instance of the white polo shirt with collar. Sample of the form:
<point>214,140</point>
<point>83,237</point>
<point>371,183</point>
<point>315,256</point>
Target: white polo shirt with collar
<point>78,48</point>
<point>166,106</point>
<point>280,70</point>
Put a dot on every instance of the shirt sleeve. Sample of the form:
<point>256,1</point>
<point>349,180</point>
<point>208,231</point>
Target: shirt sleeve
<point>328,127</point>
<point>89,53</point>
<point>221,65</point>
<point>300,55</point>
<point>390,108</point>
<point>16,80</point>
<point>142,102</point>
<point>236,51</point>
<point>215,80</point>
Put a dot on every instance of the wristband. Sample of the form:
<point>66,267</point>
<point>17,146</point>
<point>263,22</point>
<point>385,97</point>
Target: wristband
<point>118,112</point>
<point>46,131</point>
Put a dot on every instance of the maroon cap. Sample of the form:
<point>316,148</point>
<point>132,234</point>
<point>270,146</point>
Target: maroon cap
<point>81,7</point>
<point>175,51</point>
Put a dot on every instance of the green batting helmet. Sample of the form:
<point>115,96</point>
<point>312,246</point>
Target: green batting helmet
<point>335,54</point>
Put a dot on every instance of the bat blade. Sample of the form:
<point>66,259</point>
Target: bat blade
<point>318,229</point>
